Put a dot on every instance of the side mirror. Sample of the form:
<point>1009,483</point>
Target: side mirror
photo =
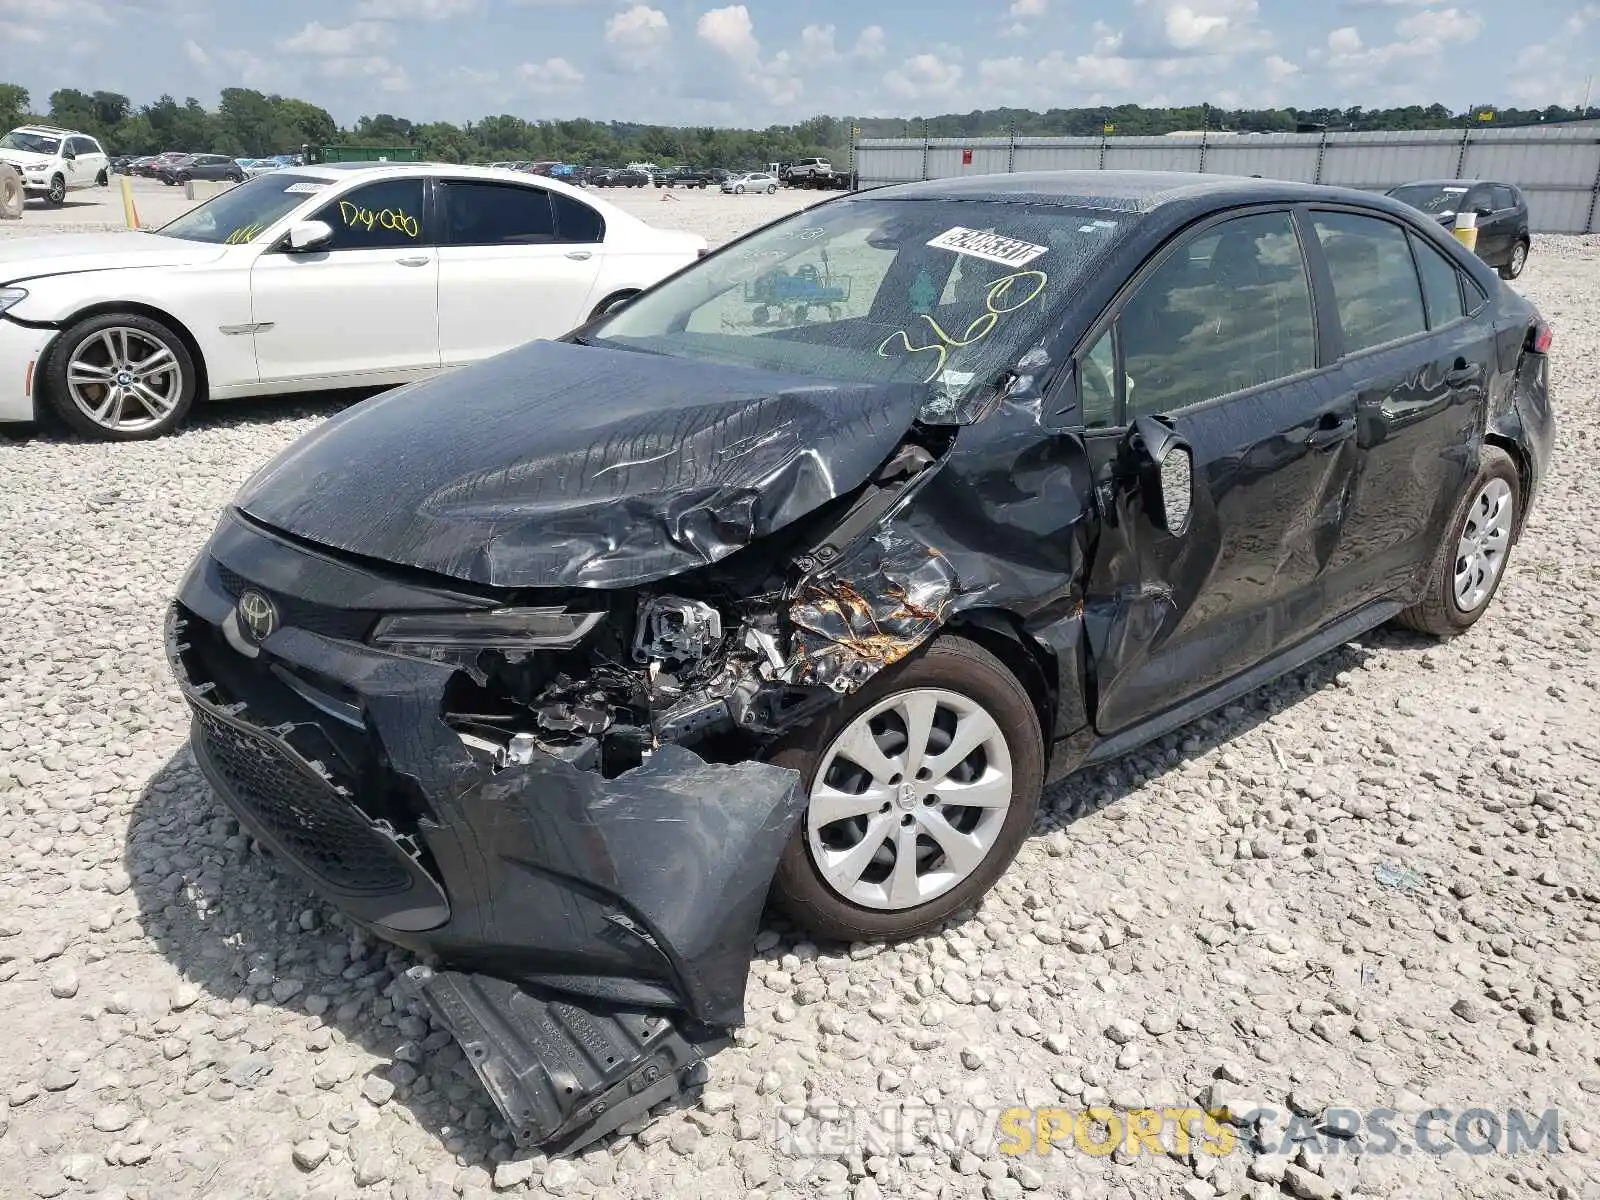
<point>69,154</point>
<point>309,235</point>
<point>1166,474</point>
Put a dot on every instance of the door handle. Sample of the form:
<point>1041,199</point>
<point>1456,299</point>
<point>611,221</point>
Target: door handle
<point>417,260</point>
<point>1331,429</point>
<point>1462,374</point>
<point>580,255</point>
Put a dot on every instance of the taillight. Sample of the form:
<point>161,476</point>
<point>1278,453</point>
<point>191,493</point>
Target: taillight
<point>1541,337</point>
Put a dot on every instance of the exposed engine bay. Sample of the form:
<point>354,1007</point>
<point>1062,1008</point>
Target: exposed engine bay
<point>726,657</point>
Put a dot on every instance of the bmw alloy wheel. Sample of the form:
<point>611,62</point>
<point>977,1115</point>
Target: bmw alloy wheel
<point>909,799</point>
<point>1485,541</point>
<point>125,380</point>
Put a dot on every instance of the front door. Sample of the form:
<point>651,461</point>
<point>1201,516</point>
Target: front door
<point>1219,342</point>
<point>364,306</point>
<point>508,270</point>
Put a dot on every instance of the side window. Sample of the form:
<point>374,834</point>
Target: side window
<point>1097,383</point>
<point>576,221</point>
<point>1230,309</point>
<point>1441,284</point>
<point>380,216</point>
<point>1473,297</point>
<point>1374,280</point>
<point>497,214</point>
<point>92,146</point>
<point>1478,199</point>
<point>1504,197</point>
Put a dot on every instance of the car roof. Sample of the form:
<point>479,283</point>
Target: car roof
<point>52,130</point>
<point>1121,191</point>
<point>1466,183</point>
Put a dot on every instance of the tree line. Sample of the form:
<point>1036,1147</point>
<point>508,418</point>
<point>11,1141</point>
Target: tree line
<point>250,123</point>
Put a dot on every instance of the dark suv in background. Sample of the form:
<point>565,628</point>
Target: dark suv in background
<point>201,166</point>
<point>1504,236</point>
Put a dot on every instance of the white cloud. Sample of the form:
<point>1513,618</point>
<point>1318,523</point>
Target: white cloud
<point>251,69</point>
<point>923,77</point>
<point>872,43</point>
<point>1027,8</point>
<point>196,53</point>
<point>1217,27</point>
<point>389,76</point>
<point>25,33</point>
<point>639,28</point>
<point>731,31</point>
<point>1443,24</point>
<point>341,41</point>
<point>54,10</point>
<point>1345,40</point>
<point>414,10</point>
<point>551,76</point>
<point>1280,69</point>
<point>817,44</point>
<point>1091,78</point>
<point>1556,71</point>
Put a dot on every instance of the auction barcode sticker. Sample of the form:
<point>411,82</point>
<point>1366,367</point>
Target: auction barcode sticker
<point>980,243</point>
<point>306,188</point>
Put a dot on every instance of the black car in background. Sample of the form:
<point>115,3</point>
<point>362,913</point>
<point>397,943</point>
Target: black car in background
<point>1504,235</point>
<point>807,568</point>
<point>622,177</point>
<point>200,167</point>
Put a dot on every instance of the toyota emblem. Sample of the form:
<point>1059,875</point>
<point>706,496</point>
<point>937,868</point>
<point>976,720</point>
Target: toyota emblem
<point>258,616</point>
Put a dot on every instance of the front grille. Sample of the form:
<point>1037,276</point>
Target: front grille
<point>349,624</point>
<point>299,810</point>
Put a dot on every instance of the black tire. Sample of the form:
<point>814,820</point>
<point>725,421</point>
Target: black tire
<point>771,188</point>
<point>1438,612</point>
<point>1518,260</point>
<point>956,665</point>
<point>58,396</point>
<point>102,180</point>
<point>57,195</point>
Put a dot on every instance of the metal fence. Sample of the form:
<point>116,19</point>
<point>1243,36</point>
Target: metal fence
<point>1557,167</point>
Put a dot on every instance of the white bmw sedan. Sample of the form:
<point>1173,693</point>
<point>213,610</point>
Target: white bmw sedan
<point>347,275</point>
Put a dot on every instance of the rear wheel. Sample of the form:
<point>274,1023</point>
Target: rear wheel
<point>102,180</point>
<point>1518,260</point>
<point>922,787</point>
<point>121,377</point>
<point>1469,566</point>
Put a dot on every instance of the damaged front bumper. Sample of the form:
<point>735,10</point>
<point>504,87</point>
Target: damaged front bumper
<point>602,926</point>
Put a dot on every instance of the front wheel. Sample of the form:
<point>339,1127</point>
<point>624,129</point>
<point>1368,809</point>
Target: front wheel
<point>739,191</point>
<point>1518,260</point>
<point>1467,570</point>
<point>121,377</point>
<point>102,180</point>
<point>771,188</point>
<point>921,788</point>
<point>57,195</point>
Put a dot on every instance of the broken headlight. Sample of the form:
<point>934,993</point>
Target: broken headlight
<point>486,629</point>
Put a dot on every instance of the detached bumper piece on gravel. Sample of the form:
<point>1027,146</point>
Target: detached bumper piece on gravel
<point>562,1074</point>
<point>596,931</point>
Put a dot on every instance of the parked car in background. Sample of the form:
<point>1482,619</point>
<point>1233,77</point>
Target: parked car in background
<point>1504,233</point>
<point>153,168</point>
<point>136,166</point>
<point>750,181</point>
<point>806,167</point>
<point>344,275</point>
<point>684,176</point>
<point>624,177</point>
<point>213,167</point>
<point>119,164</point>
<point>256,166</point>
<point>53,162</point>
<point>676,612</point>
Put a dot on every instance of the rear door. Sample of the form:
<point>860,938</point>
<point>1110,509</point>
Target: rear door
<point>1219,341</point>
<point>507,274</point>
<point>1416,370</point>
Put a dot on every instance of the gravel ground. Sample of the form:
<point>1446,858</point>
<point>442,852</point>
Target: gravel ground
<point>1371,884</point>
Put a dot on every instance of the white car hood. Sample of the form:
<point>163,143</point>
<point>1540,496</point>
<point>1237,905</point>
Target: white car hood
<point>26,158</point>
<point>66,254</point>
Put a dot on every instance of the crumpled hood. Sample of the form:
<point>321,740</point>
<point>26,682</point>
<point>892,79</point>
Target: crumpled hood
<point>63,254</point>
<point>559,465</point>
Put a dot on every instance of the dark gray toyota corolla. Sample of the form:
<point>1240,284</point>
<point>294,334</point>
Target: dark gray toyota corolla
<point>804,570</point>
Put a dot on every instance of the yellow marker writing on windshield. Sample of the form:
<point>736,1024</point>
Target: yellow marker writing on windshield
<point>997,301</point>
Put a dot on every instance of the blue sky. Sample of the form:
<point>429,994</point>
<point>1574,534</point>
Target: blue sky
<point>764,61</point>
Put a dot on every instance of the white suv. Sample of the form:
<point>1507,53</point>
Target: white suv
<point>53,162</point>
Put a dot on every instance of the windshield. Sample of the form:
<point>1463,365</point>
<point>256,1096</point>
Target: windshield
<point>1441,200</point>
<point>33,143</point>
<point>944,293</point>
<point>244,213</point>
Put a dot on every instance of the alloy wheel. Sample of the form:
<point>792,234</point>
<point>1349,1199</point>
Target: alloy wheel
<point>125,380</point>
<point>909,799</point>
<point>58,190</point>
<point>1485,540</point>
<point>1519,258</point>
